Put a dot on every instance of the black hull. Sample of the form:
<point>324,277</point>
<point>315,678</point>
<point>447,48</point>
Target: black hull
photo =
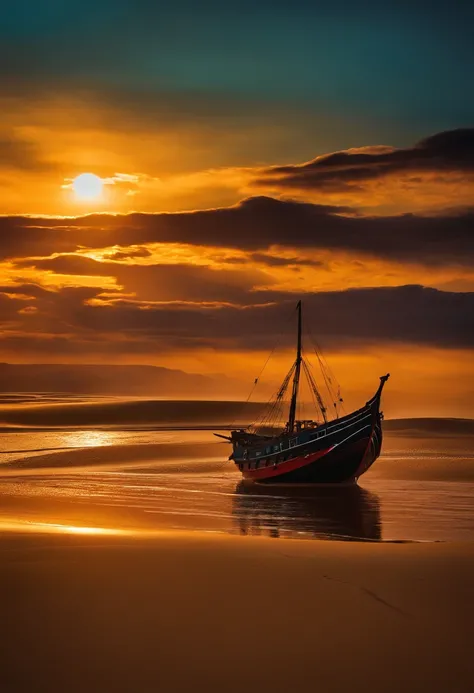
<point>342,465</point>
<point>338,452</point>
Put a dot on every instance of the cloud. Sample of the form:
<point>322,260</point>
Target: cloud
<point>344,319</point>
<point>255,225</point>
<point>128,253</point>
<point>164,282</point>
<point>81,320</point>
<point>284,260</point>
<point>444,153</point>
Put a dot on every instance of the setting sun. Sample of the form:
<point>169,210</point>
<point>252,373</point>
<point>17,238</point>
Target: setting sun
<point>87,186</point>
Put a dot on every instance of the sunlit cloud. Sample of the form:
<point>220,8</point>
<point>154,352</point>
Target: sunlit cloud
<point>437,172</point>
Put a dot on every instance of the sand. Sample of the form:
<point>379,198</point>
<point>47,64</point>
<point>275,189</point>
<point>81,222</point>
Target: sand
<point>109,412</point>
<point>117,455</point>
<point>210,612</point>
<point>123,611</point>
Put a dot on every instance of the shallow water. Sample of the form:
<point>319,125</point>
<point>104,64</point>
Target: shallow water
<point>143,480</point>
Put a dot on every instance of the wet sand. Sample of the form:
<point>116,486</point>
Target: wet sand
<point>420,489</point>
<point>129,572</point>
<point>210,612</point>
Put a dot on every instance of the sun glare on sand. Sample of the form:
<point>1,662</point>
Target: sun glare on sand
<point>56,527</point>
<point>87,186</point>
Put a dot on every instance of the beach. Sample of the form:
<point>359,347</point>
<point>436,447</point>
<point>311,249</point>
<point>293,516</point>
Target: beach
<point>211,612</point>
<point>236,347</point>
<point>134,559</point>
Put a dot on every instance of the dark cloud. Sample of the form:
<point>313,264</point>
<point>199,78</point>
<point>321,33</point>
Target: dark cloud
<point>410,314</point>
<point>450,151</point>
<point>33,291</point>
<point>256,225</point>
<point>127,253</point>
<point>19,300</point>
<point>164,282</point>
<point>72,264</point>
<point>68,322</point>
<point>25,236</point>
<point>9,307</point>
<point>276,261</point>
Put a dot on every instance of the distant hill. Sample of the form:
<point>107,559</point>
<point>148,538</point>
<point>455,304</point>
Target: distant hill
<point>113,380</point>
<point>430,426</point>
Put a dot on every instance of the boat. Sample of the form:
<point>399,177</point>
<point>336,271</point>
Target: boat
<point>320,450</point>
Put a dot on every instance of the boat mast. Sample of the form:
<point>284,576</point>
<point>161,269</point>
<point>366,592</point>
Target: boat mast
<point>296,376</point>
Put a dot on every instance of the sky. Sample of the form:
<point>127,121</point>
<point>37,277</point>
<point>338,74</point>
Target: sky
<point>248,155</point>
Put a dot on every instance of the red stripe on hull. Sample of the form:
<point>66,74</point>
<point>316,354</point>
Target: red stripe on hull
<point>284,467</point>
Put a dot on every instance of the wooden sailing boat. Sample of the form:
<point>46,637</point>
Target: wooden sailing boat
<point>310,451</point>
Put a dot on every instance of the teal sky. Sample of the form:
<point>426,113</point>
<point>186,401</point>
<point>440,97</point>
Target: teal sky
<point>401,70</point>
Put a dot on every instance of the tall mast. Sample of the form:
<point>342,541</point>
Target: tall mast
<point>296,376</point>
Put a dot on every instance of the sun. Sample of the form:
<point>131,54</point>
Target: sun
<point>87,186</point>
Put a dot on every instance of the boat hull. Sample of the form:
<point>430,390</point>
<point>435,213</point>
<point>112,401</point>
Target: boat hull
<point>342,463</point>
<point>336,452</point>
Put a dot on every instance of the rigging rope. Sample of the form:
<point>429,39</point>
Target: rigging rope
<point>313,396</point>
<point>273,410</point>
<point>257,379</point>
<point>315,390</point>
<point>328,377</point>
<point>276,409</point>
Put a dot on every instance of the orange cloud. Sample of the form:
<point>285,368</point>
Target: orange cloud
<point>205,290</point>
<point>435,173</point>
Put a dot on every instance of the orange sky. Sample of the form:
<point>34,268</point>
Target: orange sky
<point>171,164</point>
<point>63,297</point>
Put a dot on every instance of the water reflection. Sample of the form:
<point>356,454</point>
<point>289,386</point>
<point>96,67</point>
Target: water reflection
<point>90,439</point>
<point>336,512</point>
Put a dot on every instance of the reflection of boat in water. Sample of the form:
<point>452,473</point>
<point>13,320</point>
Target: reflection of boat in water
<point>323,512</point>
<point>309,451</point>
